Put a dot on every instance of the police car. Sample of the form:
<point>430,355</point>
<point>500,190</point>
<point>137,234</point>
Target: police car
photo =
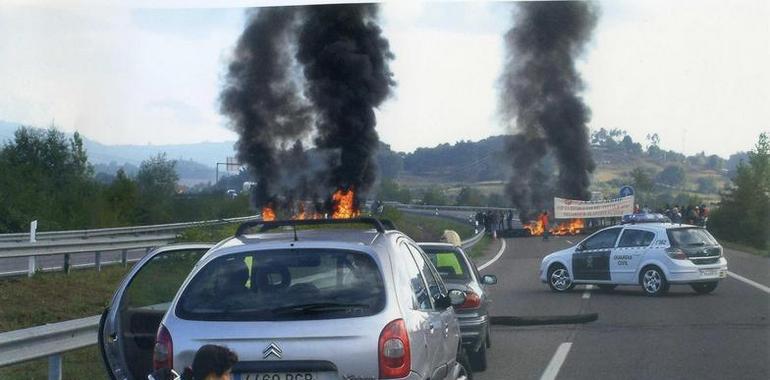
<point>652,253</point>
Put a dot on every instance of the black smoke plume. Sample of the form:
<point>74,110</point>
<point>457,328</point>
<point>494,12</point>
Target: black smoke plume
<point>262,97</point>
<point>541,97</point>
<point>345,63</point>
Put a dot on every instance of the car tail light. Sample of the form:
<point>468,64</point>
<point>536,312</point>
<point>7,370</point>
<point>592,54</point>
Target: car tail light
<point>394,357</point>
<point>676,254</point>
<point>472,301</point>
<point>163,354</point>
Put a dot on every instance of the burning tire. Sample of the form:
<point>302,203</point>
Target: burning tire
<point>559,279</point>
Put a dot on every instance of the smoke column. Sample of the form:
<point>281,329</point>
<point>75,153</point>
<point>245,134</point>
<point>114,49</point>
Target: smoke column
<point>262,98</point>
<point>345,63</point>
<point>541,97</point>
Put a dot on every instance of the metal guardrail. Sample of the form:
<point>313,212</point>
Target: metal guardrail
<point>116,231</point>
<point>472,241</point>
<point>98,241</point>
<point>449,208</point>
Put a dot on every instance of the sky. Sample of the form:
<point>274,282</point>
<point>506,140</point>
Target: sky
<point>694,72</point>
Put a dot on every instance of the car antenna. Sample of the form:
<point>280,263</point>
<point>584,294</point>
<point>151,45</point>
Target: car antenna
<point>295,232</point>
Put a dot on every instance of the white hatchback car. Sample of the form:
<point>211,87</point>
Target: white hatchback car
<point>653,255</point>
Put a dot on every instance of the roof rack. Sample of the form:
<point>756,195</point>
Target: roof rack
<point>379,225</point>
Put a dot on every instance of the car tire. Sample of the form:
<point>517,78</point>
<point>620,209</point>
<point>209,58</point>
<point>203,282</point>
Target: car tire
<point>466,370</point>
<point>653,281</point>
<point>558,279</point>
<point>478,359</point>
<point>607,287</point>
<point>704,287</point>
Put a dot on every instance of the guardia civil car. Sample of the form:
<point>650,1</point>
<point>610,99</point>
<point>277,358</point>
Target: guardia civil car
<point>653,255</point>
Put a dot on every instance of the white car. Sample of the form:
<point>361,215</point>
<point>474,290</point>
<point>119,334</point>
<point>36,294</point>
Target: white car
<point>653,255</point>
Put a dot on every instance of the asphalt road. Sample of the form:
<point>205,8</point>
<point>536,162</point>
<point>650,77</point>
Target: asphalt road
<point>723,335</point>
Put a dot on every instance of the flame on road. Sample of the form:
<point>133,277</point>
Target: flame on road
<point>344,204</point>
<point>571,227</point>
<point>268,214</point>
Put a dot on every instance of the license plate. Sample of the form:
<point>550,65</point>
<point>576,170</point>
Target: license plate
<point>722,274</point>
<point>708,272</point>
<point>276,376</point>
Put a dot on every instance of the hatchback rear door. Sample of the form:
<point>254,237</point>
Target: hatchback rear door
<point>129,323</point>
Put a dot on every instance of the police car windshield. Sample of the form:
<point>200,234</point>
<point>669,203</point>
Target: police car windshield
<point>690,237</point>
<point>285,285</point>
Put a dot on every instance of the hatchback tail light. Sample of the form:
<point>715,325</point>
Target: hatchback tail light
<point>394,356</point>
<point>472,301</point>
<point>163,354</point>
<point>676,254</point>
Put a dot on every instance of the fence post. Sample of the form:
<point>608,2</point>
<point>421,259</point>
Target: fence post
<point>124,257</point>
<point>54,367</point>
<point>98,260</point>
<point>31,263</point>
<point>67,263</point>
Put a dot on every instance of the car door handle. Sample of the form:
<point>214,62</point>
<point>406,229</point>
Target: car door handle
<point>114,337</point>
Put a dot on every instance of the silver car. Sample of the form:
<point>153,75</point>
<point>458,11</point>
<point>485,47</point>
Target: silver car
<point>307,304</point>
<point>459,272</point>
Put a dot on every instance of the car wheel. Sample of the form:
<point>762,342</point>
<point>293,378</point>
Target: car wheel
<point>478,359</point>
<point>704,287</point>
<point>607,287</point>
<point>558,279</point>
<point>466,372</point>
<point>653,281</point>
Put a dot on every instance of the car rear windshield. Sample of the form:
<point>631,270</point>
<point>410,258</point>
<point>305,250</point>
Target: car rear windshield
<point>690,237</point>
<point>294,284</point>
<point>448,262</point>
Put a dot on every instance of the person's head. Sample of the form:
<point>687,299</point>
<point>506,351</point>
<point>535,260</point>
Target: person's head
<point>213,362</point>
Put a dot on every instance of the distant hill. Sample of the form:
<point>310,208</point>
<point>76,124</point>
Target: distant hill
<point>483,162</point>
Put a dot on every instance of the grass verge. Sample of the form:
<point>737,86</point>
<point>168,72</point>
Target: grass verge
<point>480,248</point>
<point>745,248</point>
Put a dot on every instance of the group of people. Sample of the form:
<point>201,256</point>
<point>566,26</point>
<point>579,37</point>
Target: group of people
<point>696,215</point>
<point>495,220</point>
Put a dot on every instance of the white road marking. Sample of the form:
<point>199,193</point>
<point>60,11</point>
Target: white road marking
<point>556,361</point>
<point>570,243</point>
<point>497,256</point>
<point>587,292</point>
<point>749,282</point>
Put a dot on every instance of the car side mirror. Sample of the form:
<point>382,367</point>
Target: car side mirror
<point>489,279</point>
<point>580,247</point>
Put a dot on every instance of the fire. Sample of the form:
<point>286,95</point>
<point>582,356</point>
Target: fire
<point>535,228</point>
<point>572,227</point>
<point>268,214</point>
<point>344,204</point>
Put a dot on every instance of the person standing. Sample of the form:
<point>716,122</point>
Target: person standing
<point>544,223</point>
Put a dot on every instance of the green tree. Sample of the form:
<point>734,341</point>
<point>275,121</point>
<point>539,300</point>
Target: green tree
<point>642,180</point>
<point>390,191</point>
<point>707,185</point>
<point>744,210</point>
<point>672,175</point>
<point>157,183</point>
<point>122,195</point>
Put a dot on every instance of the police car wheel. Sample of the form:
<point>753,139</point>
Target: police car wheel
<point>653,281</point>
<point>558,279</point>
<point>704,287</point>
